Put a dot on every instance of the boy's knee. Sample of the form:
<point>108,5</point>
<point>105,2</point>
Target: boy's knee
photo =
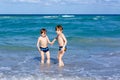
<point>48,58</point>
<point>42,58</point>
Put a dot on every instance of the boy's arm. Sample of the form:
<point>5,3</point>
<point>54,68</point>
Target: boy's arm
<point>54,40</point>
<point>48,40</point>
<point>38,46</point>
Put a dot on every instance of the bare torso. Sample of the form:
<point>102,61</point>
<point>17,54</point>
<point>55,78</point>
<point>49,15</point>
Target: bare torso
<point>43,42</point>
<point>61,42</point>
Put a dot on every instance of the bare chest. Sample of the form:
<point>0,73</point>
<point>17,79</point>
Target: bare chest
<point>60,40</point>
<point>43,40</point>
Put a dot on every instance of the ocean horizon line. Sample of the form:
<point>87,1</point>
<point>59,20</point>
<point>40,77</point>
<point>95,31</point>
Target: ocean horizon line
<point>59,14</point>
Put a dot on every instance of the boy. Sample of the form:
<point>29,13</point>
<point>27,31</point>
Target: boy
<point>42,45</point>
<point>62,41</point>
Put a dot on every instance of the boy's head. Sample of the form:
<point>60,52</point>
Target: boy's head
<point>43,32</point>
<point>58,29</point>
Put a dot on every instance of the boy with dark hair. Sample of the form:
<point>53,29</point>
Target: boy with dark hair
<point>62,41</point>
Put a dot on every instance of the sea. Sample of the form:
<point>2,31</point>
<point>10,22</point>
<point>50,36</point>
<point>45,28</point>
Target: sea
<point>93,47</point>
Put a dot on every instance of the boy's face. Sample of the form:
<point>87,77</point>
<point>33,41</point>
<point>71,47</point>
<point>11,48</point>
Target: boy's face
<point>43,34</point>
<point>58,31</point>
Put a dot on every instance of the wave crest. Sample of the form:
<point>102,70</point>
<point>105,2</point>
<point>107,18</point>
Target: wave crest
<point>67,16</point>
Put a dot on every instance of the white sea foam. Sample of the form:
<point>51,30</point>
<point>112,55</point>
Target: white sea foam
<point>50,16</point>
<point>31,77</point>
<point>98,17</point>
<point>5,68</point>
<point>60,76</point>
<point>68,16</point>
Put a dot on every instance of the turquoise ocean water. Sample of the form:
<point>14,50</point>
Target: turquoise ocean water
<point>93,47</point>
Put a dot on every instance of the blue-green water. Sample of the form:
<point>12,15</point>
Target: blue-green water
<point>93,47</point>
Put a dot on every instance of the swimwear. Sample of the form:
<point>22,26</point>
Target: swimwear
<point>60,47</point>
<point>44,49</point>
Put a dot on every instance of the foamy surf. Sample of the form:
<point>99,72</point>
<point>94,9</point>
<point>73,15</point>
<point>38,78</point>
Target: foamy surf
<point>67,16</point>
<point>58,77</point>
<point>50,17</point>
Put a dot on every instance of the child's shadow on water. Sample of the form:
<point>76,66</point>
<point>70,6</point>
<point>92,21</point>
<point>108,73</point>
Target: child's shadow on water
<point>54,61</point>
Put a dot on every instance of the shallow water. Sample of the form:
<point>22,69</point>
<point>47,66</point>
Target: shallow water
<point>93,48</point>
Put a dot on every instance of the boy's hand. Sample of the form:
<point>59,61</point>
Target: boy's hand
<point>51,43</point>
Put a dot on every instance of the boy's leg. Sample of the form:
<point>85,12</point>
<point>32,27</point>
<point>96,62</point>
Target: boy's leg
<point>42,57</point>
<point>60,55</point>
<point>48,57</point>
